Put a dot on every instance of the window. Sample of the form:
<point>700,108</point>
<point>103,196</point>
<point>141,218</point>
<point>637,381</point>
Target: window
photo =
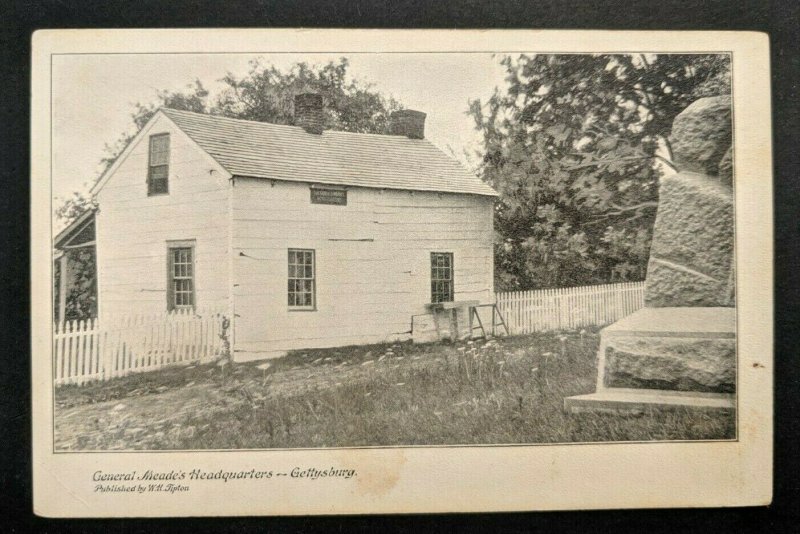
<point>180,293</point>
<point>441,277</point>
<point>301,279</point>
<point>158,165</point>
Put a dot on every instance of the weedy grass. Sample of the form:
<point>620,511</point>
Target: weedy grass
<point>505,391</point>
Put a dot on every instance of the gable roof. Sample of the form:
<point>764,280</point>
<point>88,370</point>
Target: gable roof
<point>75,229</point>
<point>279,152</point>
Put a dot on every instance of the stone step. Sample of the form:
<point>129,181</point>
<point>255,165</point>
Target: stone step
<point>670,363</point>
<point>622,400</point>
<point>713,323</point>
<point>680,349</point>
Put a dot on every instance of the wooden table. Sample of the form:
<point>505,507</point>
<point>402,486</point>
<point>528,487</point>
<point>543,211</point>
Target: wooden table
<point>454,306</point>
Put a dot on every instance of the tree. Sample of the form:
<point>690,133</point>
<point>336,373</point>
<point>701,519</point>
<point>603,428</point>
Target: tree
<point>265,94</point>
<point>73,207</point>
<point>575,146</point>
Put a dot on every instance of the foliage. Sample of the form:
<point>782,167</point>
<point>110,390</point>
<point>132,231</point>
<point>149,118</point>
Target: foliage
<point>575,145</point>
<point>266,94</point>
<point>81,298</point>
<point>73,207</point>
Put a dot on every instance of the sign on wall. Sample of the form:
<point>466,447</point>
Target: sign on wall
<point>326,195</point>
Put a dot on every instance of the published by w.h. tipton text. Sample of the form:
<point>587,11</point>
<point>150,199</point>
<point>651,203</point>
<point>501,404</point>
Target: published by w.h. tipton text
<point>176,481</point>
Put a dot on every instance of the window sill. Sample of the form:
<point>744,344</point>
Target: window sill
<point>452,304</point>
<point>302,309</point>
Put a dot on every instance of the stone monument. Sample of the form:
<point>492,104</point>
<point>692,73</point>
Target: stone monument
<point>680,349</point>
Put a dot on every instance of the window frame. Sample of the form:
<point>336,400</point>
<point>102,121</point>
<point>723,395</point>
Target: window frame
<point>171,291</point>
<point>312,279</point>
<point>435,280</point>
<point>151,166</point>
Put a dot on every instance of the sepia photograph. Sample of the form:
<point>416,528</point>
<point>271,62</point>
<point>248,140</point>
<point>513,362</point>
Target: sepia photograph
<point>400,271</point>
<point>392,249</point>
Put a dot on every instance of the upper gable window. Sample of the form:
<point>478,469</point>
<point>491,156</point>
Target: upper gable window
<point>158,165</point>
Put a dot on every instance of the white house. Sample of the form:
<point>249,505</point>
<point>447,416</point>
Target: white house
<point>307,238</point>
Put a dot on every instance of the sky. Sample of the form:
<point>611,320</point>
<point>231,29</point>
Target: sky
<point>94,96</point>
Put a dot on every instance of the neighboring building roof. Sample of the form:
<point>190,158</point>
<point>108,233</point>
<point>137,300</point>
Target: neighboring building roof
<point>80,230</point>
<point>278,152</point>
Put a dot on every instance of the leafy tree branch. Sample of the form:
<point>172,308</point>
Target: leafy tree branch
<point>575,145</point>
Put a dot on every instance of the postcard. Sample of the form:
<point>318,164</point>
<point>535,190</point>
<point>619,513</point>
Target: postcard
<point>298,272</point>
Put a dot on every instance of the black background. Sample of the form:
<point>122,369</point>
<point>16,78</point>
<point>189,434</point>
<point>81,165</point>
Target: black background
<point>18,19</point>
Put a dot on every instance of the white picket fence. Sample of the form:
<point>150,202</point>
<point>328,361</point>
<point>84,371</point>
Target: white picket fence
<point>84,351</point>
<point>569,308</point>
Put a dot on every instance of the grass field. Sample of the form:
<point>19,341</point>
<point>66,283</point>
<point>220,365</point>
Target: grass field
<point>507,390</point>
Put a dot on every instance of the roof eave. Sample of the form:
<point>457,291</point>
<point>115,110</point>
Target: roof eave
<point>493,194</point>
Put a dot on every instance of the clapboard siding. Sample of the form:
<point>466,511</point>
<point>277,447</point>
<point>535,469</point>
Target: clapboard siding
<point>133,228</point>
<point>367,290</point>
<point>372,255</point>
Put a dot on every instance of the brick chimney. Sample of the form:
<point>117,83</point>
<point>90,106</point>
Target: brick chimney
<point>309,113</point>
<point>407,122</point>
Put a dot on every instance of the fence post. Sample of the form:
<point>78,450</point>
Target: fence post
<point>58,341</point>
<point>72,367</point>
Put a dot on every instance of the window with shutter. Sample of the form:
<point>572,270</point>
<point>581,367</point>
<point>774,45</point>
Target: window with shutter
<point>158,165</point>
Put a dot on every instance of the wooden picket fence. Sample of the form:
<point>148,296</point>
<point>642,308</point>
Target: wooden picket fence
<point>569,308</point>
<point>85,351</point>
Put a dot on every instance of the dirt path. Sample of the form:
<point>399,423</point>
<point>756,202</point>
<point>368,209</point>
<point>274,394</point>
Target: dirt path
<point>136,422</point>
<point>157,418</point>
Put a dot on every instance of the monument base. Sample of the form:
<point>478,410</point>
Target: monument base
<point>636,401</point>
<point>665,358</point>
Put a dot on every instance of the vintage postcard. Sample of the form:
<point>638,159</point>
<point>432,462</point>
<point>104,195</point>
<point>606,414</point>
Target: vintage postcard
<point>334,271</point>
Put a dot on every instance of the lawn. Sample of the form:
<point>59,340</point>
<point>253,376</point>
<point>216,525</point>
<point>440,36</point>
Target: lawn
<point>506,390</point>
